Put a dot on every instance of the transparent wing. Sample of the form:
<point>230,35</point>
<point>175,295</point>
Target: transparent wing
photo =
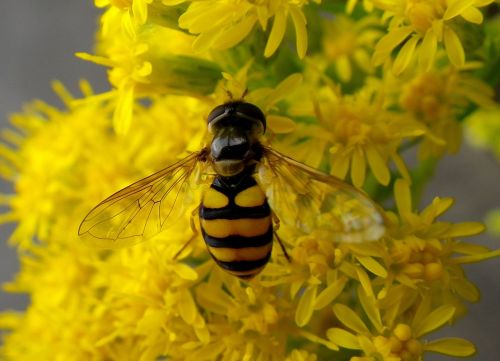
<point>144,208</point>
<point>307,199</point>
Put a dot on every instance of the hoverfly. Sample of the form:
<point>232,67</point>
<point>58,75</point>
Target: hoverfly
<point>252,187</point>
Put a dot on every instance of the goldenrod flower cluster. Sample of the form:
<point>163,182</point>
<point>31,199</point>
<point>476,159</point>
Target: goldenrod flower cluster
<point>347,88</point>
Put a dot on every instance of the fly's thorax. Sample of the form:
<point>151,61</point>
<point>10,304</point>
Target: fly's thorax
<point>233,150</point>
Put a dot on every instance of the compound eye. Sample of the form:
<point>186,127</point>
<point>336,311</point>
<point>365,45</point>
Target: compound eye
<point>216,113</point>
<point>237,111</point>
<point>252,111</point>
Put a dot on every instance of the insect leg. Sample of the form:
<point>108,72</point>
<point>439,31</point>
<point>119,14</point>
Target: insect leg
<point>282,246</point>
<point>276,226</point>
<point>193,228</point>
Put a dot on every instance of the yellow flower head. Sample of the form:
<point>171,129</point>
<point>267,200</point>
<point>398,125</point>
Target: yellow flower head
<point>420,26</point>
<point>355,133</point>
<point>438,99</point>
<point>348,44</point>
<point>235,19</point>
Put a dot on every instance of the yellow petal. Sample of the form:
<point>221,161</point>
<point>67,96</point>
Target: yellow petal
<point>451,346</point>
<point>401,166</point>
<point>202,17</point>
<point>205,40</point>
<point>140,10</point>
<point>305,307</point>
<point>465,229</point>
<point>427,50</point>
<point>469,248</point>
<point>340,165</point>
<point>96,59</point>
<point>295,287</point>
<point>434,320</point>
<point>473,15</point>
<point>187,306</point>
<point>454,47</point>
<point>343,66</point>
<point>358,168</point>
<point>365,281</point>
<point>299,21</point>
<point>317,340</point>
<point>235,34</point>
<point>330,293</point>
<point>378,165</point>
<point>437,208</point>
<point>343,338</point>
<point>185,272</point>
<point>277,33</point>
<point>283,89</point>
<point>371,309</point>
<point>456,8</point>
<point>466,289</point>
<point>349,318</point>
<point>402,196</point>
<point>373,266</point>
<point>122,116</point>
<point>363,60</point>
<point>280,125</point>
<point>349,7</point>
<point>128,25</point>
<point>405,55</point>
<point>477,257</point>
<point>385,46</point>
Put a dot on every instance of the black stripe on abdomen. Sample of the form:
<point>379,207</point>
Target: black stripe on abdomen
<point>235,212</point>
<point>243,266</point>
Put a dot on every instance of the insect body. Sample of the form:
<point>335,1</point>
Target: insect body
<point>251,182</point>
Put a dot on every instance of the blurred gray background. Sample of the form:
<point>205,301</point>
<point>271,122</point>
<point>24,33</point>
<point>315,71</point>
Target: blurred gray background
<point>37,43</point>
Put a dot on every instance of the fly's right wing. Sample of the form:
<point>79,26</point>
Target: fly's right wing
<point>309,200</point>
<point>146,207</point>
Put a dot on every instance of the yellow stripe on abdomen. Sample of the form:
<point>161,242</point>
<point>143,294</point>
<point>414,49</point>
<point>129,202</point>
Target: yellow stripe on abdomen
<point>215,199</point>
<point>246,227</point>
<point>240,254</point>
<point>250,197</point>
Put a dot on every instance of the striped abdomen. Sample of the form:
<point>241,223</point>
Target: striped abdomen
<point>236,225</point>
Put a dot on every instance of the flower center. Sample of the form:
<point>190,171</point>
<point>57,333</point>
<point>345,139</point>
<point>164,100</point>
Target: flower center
<point>422,13</point>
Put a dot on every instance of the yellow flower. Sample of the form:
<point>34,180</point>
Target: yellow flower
<point>428,253</point>
<point>141,63</point>
<point>420,26</point>
<point>355,133</point>
<point>223,24</point>
<point>348,44</point>
<point>398,340</point>
<point>438,99</point>
<point>137,8</point>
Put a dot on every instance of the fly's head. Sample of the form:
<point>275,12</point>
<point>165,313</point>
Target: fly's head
<point>236,127</point>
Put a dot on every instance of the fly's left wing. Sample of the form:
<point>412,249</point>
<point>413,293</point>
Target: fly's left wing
<point>309,200</point>
<point>144,208</point>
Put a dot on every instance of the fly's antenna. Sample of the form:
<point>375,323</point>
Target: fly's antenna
<point>245,93</point>
<point>231,96</point>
